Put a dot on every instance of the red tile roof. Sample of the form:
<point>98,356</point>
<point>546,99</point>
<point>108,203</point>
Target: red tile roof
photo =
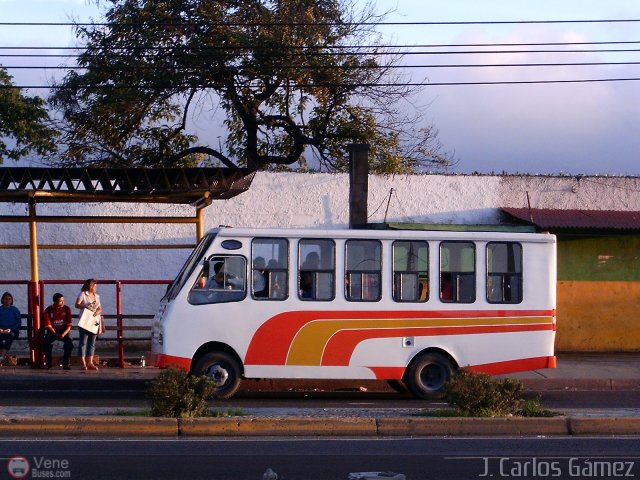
<point>577,219</point>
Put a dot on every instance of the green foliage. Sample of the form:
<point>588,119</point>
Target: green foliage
<point>231,412</point>
<point>279,71</point>
<point>479,395</point>
<point>119,412</point>
<point>23,123</point>
<point>177,394</point>
<point>533,408</point>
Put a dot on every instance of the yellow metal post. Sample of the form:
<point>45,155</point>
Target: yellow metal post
<point>199,224</point>
<point>33,241</point>
<point>35,340</point>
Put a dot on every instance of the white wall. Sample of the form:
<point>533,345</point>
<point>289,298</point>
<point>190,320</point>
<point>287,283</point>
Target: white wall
<point>280,200</point>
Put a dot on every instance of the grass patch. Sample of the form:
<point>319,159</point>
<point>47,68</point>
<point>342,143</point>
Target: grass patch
<point>231,412</point>
<point>129,413</point>
<point>532,408</point>
<point>440,413</point>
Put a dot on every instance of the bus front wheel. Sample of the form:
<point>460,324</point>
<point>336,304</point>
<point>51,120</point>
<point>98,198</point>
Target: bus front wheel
<point>428,374</point>
<point>223,370</point>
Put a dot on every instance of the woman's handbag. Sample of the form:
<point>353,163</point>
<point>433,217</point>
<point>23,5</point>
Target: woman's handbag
<point>89,321</point>
<point>102,327</point>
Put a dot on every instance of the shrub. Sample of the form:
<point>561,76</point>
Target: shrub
<point>479,395</point>
<point>174,393</point>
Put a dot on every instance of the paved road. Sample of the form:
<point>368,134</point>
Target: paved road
<point>331,459</point>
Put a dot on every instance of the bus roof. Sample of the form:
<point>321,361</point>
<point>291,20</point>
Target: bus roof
<point>338,233</point>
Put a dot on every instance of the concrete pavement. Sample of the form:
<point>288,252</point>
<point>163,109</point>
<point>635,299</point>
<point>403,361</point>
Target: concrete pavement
<point>582,372</point>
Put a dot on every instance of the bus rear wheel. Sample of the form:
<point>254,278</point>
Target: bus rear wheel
<point>223,370</point>
<point>428,374</point>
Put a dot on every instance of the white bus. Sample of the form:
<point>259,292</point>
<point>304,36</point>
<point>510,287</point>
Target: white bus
<point>404,306</point>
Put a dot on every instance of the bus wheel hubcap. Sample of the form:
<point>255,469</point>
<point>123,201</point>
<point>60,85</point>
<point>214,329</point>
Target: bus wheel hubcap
<point>433,376</point>
<point>218,374</point>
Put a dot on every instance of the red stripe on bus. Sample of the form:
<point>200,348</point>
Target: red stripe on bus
<point>163,361</point>
<point>341,346</point>
<point>512,366</point>
<point>497,368</point>
<point>271,343</point>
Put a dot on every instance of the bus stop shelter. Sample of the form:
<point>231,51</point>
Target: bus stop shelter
<point>198,187</point>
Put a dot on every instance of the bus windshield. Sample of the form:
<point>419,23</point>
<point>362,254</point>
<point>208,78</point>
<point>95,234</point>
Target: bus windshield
<point>191,263</point>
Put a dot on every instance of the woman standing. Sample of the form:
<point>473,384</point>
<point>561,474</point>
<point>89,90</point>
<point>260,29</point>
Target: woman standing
<point>10,323</point>
<point>88,299</point>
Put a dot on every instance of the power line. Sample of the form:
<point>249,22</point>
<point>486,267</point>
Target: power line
<point>371,54</point>
<point>338,85</point>
<point>359,67</point>
<point>355,47</point>
<point>411,53</point>
<point>304,24</point>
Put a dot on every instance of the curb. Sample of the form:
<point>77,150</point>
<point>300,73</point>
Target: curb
<point>282,426</point>
<point>472,426</point>
<point>87,427</point>
<point>604,426</point>
<point>320,426</point>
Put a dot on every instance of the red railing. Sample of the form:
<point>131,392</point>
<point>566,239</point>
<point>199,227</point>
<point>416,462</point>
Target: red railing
<point>36,304</point>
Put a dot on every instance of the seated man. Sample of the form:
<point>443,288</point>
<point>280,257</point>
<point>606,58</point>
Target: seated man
<point>57,325</point>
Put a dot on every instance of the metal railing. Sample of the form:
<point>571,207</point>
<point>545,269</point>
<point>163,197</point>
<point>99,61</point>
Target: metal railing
<point>36,304</point>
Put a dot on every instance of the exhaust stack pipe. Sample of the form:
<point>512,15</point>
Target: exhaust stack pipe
<point>358,184</point>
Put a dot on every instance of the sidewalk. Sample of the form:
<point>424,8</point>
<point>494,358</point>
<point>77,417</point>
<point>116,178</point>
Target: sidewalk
<point>581,372</point>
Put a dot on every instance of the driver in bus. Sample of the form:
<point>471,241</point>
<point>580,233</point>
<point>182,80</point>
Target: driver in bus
<point>222,280</point>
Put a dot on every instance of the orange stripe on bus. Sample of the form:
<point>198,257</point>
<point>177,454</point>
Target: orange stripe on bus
<point>272,342</point>
<point>341,346</point>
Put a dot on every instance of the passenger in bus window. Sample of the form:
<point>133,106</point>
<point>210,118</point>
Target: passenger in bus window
<point>306,285</point>
<point>260,289</point>
<point>277,280</point>
<point>308,270</point>
<point>446,289</point>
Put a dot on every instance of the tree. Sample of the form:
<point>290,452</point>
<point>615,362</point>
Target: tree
<point>293,78</point>
<point>23,123</point>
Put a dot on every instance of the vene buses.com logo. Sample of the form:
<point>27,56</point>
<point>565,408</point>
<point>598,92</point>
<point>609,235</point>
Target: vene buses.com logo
<point>18,467</point>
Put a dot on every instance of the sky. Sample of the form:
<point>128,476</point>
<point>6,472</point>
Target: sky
<point>566,128</point>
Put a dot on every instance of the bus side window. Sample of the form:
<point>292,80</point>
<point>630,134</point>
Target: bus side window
<point>222,279</point>
<point>317,269</point>
<point>270,268</point>
<point>363,274</point>
<point>410,271</point>
<point>504,272</point>
<point>458,272</point>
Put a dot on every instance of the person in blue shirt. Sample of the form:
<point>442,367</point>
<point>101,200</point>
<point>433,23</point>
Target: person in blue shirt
<point>10,323</point>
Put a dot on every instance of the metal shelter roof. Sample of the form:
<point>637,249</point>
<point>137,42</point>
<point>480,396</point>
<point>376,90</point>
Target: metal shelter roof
<point>151,185</point>
<point>572,219</point>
